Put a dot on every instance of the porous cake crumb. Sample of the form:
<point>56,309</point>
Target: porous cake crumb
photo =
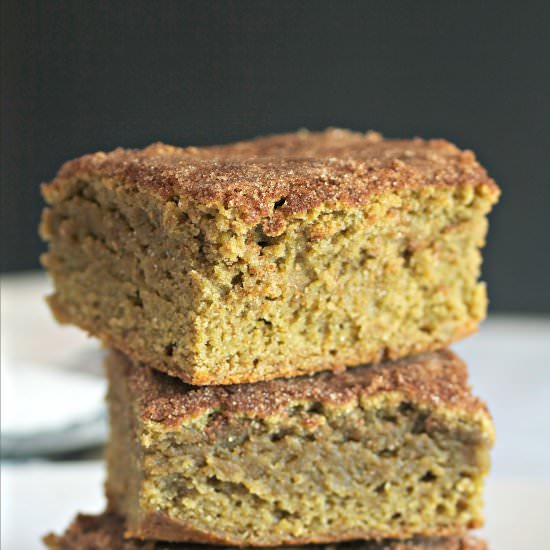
<point>280,256</point>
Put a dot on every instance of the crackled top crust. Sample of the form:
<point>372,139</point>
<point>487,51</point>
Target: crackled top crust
<point>436,379</point>
<point>282,175</point>
<point>106,531</point>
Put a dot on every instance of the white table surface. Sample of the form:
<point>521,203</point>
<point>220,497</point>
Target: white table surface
<point>509,364</point>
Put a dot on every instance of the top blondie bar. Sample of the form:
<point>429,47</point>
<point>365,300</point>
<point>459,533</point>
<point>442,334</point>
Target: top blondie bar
<point>274,257</point>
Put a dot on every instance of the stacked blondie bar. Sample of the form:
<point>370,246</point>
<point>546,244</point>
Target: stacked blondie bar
<point>278,312</point>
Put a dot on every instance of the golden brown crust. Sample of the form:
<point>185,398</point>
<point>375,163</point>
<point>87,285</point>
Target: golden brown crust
<point>106,532</point>
<point>437,379</point>
<point>282,175</point>
<point>160,526</point>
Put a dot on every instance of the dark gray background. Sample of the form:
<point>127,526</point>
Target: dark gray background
<point>78,76</point>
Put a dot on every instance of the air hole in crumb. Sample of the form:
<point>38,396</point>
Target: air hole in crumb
<point>281,514</point>
<point>332,351</point>
<point>461,505</point>
<point>428,476</point>
<point>237,280</point>
<point>388,453</point>
<point>279,203</point>
<point>407,255</point>
<point>316,407</point>
<point>260,237</point>
<point>440,509</point>
<point>277,436</point>
<point>420,424</point>
<point>397,515</point>
<point>380,488</point>
<point>255,362</point>
<point>136,299</point>
<point>265,321</point>
<point>201,244</point>
<point>169,349</point>
<point>406,408</point>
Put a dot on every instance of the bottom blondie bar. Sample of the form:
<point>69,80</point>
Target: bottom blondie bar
<point>395,450</point>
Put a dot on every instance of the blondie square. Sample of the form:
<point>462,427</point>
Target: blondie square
<point>281,256</point>
<point>106,532</point>
<point>395,450</point>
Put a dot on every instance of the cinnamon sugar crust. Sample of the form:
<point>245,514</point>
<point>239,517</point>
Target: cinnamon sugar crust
<point>438,379</point>
<point>283,175</point>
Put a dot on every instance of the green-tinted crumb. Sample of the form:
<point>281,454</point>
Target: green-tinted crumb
<point>393,451</point>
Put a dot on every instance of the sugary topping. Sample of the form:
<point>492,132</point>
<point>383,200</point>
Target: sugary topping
<point>281,175</point>
<point>437,379</point>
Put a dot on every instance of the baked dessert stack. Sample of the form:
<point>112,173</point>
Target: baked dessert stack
<point>278,312</point>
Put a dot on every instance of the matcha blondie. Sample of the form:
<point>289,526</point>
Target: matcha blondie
<point>280,256</point>
<point>106,532</point>
<point>394,450</point>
